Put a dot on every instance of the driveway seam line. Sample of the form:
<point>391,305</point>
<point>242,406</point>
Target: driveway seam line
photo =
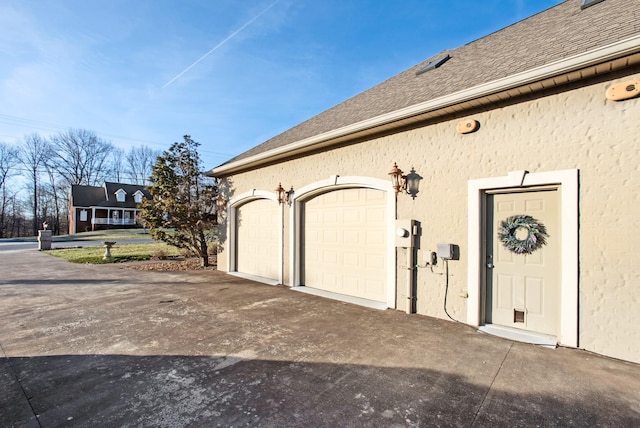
<point>24,393</point>
<point>475,417</point>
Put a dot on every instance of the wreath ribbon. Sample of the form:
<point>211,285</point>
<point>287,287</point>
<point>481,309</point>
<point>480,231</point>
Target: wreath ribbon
<point>536,234</point>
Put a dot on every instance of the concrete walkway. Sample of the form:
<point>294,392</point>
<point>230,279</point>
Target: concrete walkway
<point>92,346</point>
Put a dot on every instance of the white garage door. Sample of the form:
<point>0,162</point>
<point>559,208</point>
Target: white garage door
<point>344,243</point>
<point>257,239</point>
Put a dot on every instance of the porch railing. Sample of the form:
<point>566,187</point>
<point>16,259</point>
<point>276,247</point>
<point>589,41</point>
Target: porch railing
<point>115,221</point>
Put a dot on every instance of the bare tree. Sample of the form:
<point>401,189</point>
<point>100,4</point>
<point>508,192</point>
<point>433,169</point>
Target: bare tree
<point>8,161</point>
<point>140,162</point>
<point>81,157</point>
<point>56,191</point>
<point>15,221</point>
<point>118,167</point>
<point>33,153</point>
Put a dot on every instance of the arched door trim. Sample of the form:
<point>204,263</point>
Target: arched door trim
<point>336,182</point>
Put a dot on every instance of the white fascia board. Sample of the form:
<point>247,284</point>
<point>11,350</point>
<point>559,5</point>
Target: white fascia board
<point>615,50</point>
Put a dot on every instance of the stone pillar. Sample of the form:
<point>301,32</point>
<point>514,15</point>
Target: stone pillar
<point>44,239</point>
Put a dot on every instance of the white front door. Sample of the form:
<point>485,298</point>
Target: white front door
<point>523,290</point>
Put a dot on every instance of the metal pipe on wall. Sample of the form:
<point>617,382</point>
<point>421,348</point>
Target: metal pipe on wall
<point>410,296</point>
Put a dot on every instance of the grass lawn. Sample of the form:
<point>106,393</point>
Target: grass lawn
<point>106,235</point>
<point>119,253</point>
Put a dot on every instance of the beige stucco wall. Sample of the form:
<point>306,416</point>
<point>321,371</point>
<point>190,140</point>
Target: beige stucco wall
<point>578,128</point>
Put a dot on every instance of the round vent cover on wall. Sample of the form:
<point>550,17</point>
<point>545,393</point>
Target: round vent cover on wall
<point>467,126</point>
<point>624,90</point>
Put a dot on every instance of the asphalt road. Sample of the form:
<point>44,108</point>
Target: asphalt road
<point>12,245</point>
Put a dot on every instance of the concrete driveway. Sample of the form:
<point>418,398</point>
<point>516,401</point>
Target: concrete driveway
<point>109,346</point>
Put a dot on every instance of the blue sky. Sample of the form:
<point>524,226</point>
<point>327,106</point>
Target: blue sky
<point>231,73</point>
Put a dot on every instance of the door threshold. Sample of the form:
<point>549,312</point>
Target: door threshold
<point>255,278</point>
<point>520,335</point>
<point>373,304</point>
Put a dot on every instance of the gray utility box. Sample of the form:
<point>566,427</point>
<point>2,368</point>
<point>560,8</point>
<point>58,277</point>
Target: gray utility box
<point>445,251</point>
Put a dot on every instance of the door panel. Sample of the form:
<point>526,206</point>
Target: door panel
<point>523,289</point>
<point>257,239</point>
<point>344,243</point>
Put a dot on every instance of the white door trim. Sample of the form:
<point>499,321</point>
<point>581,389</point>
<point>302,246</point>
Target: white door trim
<point>232,207</point>
<point>336,182</point>
<point>567,180</point>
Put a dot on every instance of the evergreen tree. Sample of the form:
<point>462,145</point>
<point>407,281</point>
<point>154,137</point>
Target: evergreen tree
<point>182,210</point>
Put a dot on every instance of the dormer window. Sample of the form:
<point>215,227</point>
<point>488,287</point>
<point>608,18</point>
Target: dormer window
<point>138,196</point>
<point>120,195</point>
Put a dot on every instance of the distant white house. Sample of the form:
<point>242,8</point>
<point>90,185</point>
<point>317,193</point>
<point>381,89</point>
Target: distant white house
<point>113,205</point>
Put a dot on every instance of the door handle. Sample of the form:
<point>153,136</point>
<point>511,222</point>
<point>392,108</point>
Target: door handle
<point>489,265</point>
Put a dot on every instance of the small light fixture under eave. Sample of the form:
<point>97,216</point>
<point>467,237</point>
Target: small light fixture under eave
<point>398,181</point>
<point>434,64</point>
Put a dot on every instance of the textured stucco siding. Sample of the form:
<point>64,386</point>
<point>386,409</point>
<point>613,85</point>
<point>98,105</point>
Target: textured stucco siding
<point>577,128</point>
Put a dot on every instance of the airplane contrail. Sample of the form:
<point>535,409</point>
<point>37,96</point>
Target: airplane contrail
<point>220,44</point>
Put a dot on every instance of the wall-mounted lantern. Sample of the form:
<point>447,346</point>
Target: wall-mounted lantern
<point>408,184</point>
<point>281,193</point>
<point>284,196</point>
<point>221,203</point>
<point>412,183</point>
<point>398,181</point>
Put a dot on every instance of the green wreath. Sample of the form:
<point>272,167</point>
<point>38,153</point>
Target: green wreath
<point>511,234</point>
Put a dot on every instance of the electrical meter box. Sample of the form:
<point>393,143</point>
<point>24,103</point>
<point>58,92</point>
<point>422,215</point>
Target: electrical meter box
<point>445,251</point>
<point>405,233</point>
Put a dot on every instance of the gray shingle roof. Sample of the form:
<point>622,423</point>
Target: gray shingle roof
<point>130,189</point>
<point>86,196</point>
<point>554,34</point>
<point>104,196</point>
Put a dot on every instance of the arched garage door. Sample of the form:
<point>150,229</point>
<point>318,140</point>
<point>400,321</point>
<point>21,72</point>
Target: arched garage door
<point>257,239</point>
<point>344,243</point>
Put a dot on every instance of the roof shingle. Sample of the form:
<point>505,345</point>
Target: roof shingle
<point>551,35</point>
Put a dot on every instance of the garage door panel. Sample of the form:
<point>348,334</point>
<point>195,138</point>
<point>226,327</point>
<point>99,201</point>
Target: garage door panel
<point>330,257</point>
<point>373,237</point>
<point>351,216</point>
<point>373,260</point>
<point>353,244</point>
<point>351,236</point>
<point>257,240</point>
<point>351,259</point>
<point>351,197</point>
<point>376,214</point>
<point>330,237</point>
<point>374,196</point>
<point>331,217</point>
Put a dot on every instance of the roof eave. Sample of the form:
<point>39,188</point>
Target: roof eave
<point>593,57</point>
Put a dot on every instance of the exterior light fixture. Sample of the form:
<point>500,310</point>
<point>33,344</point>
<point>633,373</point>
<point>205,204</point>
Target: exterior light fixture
<point>409,183</point>
<point>283,195</point>
<point>398,181</point>
<point>412,183</point>
<point>221,203</point>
